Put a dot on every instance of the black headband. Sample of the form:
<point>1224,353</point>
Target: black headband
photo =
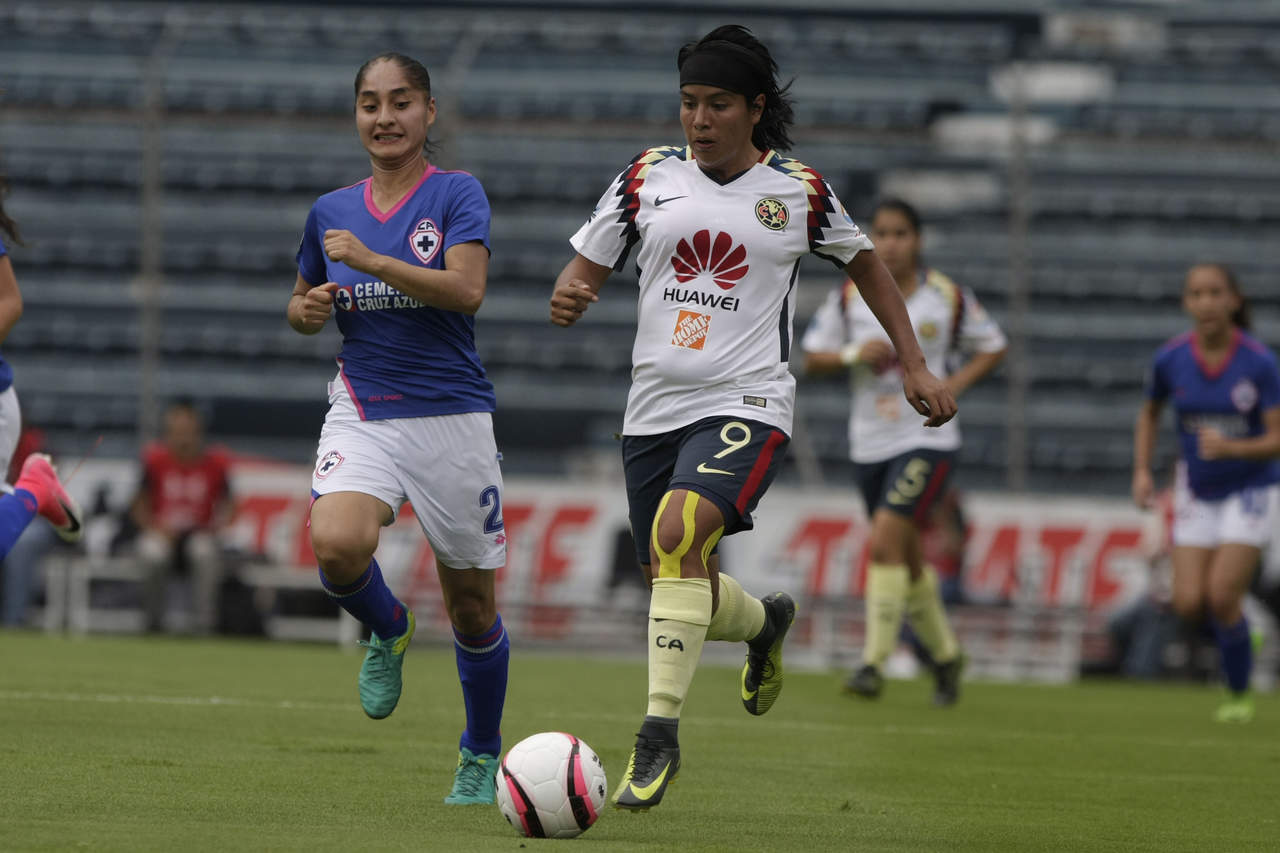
<point>724,65</point>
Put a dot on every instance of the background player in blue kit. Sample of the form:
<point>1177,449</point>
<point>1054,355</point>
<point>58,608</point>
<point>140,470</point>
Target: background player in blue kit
<point>1226,396</point>
<point>37,490</point>
<point>404,257</point>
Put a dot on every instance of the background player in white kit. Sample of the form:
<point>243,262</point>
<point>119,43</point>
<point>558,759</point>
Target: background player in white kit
<point>722,226</point>
<point>902,469</point>
<point>404,256</point>
<point>37,490</point>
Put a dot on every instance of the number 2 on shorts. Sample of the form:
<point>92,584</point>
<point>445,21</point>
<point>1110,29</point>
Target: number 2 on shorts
<point>909,486</point>
<point>731,445</point>
<point>492,521</point>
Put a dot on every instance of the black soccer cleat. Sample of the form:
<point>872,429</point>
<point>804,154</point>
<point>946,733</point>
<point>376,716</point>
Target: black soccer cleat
<point>653,766</point>
<point>761,680</point>
<point>866,682</point>
<point>946,681</point>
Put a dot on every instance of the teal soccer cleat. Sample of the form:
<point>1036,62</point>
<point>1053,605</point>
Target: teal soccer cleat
<point>380,676</point>
<point>473,780</point>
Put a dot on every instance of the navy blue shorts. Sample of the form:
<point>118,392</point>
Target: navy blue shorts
<point>729,461</point>
<point>908,484</point>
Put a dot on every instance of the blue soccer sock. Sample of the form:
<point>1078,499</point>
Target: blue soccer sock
<point>1237,653</point>
<point>482,669</point>
<point>16,511</point>
<point>369,599</point>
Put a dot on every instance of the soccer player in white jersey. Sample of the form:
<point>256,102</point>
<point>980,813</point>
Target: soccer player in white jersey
<point>38,490</point>
<point>902,469</point>
<point>404,256</point>
<point>722,224</point>
<point>1225,389</point>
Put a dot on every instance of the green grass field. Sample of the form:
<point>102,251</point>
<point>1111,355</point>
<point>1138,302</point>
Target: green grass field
<point>158,744</point>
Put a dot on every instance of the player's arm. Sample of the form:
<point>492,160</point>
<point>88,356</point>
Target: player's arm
<point>1144,443</point>
<point>576,288</point>
<point>927,394</point>
<point>458,287</point>
<point>974,369</point>
<point>1212,444</point>
<point>310,306</point>
<point>10,298</point>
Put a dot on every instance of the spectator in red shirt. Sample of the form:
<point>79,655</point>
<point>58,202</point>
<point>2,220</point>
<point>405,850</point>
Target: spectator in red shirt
<point>182,506</point>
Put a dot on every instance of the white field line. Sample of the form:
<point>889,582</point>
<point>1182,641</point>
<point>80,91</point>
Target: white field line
<point>890,730</point>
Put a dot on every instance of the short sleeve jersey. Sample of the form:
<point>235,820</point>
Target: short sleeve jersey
<point>717,266</point>
<point>185,493</point>
<point>946,318</point>
<point>401,358</point>
<point>6,371</point>
<point>1230,397</point>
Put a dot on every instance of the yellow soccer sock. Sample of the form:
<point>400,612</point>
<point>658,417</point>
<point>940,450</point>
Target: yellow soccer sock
<point>679,612</point>
<point>928,618</point>
<point>885,602</point>
<point>739,617</point>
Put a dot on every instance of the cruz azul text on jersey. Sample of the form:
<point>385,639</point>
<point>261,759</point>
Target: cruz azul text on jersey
<point>373,296</point>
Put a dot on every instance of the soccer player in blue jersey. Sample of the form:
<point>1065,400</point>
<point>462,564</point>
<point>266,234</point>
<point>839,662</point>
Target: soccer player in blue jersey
<point>38,490</point>
<point>1226,397</point>
<point>722,224</point>
<point>403,255</point>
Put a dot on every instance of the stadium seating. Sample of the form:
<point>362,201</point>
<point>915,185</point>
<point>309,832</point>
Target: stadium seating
<point>1175,164</point>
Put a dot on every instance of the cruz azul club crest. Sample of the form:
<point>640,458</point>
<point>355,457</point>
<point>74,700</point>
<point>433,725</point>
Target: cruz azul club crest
<point>1244,396</point>
<point>425,240</point>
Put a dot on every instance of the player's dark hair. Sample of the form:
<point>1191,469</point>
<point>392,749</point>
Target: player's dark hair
<point>1241,317</point>
<point>412,68</point>
<point>899,205</point>
<point>7,225</point>
<point>773,129</point>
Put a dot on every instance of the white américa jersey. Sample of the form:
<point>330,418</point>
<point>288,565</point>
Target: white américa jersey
<point>946,317</point>
<point>717,265</point>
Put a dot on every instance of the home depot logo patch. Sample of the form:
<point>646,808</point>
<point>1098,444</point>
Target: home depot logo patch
<point>691,330</point>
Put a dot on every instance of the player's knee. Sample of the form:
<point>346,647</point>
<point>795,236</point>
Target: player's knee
<point>669,535</point>
<point>342,550</point>
<point>1224,607</point>
<point>887,549</point>
<point>471,611</point>
<point>1188,607</point>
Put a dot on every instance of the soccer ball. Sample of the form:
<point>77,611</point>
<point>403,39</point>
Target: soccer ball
<point>551,785</point>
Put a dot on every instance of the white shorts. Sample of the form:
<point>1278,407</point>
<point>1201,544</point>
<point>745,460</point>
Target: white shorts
<point>446,466</point>
<point>1246,517</point>
<point>10,427</point>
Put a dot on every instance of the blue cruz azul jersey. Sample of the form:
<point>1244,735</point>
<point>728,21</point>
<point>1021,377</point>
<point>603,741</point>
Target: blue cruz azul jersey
<point>6,372</point>
<point>1230,397</point>
<point>401,358</point>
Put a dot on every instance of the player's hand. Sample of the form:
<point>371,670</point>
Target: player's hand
<point>929,396</point>
<point>878,355</point>
<point>317,305</point>
<point>341,245</point>
<point>1144,489</point>
<point>1211,444</point>
<point>570,300</point>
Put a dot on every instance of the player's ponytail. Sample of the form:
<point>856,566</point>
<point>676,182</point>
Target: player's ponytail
<point>773,129</point>
<point>7,225</point>
<point>413,69</point>
<point>1241,317</point>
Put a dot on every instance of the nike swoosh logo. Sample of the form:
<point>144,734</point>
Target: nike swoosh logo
<point>747,697</point>
<point>703,469</point>
<point>652,788</point>
<point>73,523</point>
<point>660,201</point>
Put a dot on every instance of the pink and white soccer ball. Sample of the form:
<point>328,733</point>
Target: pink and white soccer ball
<point>551,785</point>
